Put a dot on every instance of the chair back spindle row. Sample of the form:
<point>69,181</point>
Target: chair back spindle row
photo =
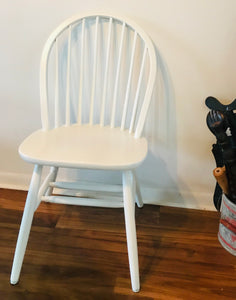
<point>97,70</point>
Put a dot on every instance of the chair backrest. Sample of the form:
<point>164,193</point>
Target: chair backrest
<point>97,69</point>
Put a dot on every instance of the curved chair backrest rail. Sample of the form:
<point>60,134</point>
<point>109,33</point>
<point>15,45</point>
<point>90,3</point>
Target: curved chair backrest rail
<point>97,69</point>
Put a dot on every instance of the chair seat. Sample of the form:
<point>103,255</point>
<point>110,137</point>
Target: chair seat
<point>84,146</point>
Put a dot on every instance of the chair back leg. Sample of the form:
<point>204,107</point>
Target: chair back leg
<point>26,222</point>
<point>138,195</point>
<point>129,210</point>
<point>53,172</point>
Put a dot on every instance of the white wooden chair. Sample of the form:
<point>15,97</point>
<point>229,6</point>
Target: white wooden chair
<point>96,81</point>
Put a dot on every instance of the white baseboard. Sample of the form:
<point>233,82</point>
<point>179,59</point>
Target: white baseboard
<point>178,198</point>
<point>16,181</point>
<point>151,195</point>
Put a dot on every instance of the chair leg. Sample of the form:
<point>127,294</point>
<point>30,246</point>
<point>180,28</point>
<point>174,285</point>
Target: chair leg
<point>26,222</point>
<point>45,189</point>
<point>138,195</point>
<point>53,172</point>
<point>129,205</point>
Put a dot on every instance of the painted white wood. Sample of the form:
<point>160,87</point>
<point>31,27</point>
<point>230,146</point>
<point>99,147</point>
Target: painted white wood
<point>110,196</point>
<point>138,195</point>
<point>26,224</point>
<point>43,92</point>
<point>106,74</point>
<point>147,97</point>
<point>70,200</point>
<point>45,185</point>
<point>56,85</point>
<point>117,77</point>
<point>85,146</point>
<point>134,112</point>
<point>53,176</point>
<point>85,185</point>
<point>128,190</point>
<point>90,146</point>
<point>128,83</point>
<point>72,21</point>
<point>81,74</point>
<point>94,73</point>
<point>68,78</point>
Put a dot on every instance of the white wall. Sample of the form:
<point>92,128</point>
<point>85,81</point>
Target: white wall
<point>197,47</point>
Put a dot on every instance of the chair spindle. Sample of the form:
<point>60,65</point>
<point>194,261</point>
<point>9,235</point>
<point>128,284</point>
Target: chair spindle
<point>56,85</point>
<point>128,83</point>
<point>94,72</point>
<point>102,117</point>
<point>81,74</point>
<point>117,76</point>
<point>134,112</point>
<point>68,78</point>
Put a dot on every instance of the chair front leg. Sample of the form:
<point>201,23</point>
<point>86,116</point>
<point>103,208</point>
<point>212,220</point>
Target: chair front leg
<point>129,206</point>
<point>30,205</point>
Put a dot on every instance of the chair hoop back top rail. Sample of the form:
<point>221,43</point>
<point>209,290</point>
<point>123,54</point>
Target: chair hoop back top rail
<point>97,74</point>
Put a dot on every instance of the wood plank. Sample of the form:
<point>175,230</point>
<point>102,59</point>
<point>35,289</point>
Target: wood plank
<point>80,253</point>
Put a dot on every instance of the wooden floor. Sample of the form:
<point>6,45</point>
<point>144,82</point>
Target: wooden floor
<point>80,253</point>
